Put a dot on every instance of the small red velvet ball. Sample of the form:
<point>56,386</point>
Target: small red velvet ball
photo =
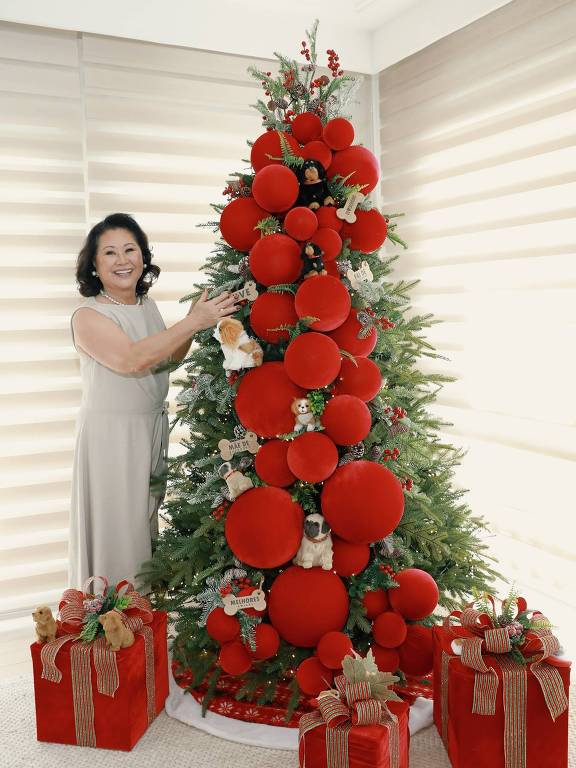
<point>312,457</point>
<point>338,133</point>
<point>417,595</point>
<point>368,232</point>
<point>346,419</point>
<point>348,559</point>
<point>271,464</point>
<point>416,652</point>
<point>238,220</point>
<point>387,659</point>
<point>317,150</point>
<point>312,676</point>
<point>346,336</point>
<point>359,162</point>
<point>222,627</point>
<point>275,259</point>
<point>312,360</point>
<point>389,629</point>
<point>269,144</point>
<point>267,642</point>
<point>305,603</point>
<point>264,399</point>
<point>329,241</point>
<point>306,127</point>
<point>360,377</point>
<point>375,601</point>
<point>332,648</point>
<point>327,217</point>
<point>275,188</point>
<point>264,527</point>
<point>362,501</point>
<point>301,223</point>
<point>324,297</point>
<point>234,659</point>
<point>271,310</point>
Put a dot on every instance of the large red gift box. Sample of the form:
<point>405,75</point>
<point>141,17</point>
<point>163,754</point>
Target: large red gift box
<point>477,740</point>
<point>119,721</point>
<point>368,745</point>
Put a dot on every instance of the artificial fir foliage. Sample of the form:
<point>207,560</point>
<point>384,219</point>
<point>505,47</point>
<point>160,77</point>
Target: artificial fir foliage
<point>193,566</point>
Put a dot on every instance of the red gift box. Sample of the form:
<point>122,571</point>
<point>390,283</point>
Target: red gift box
<point>118,720</point>
<point>478,740</point>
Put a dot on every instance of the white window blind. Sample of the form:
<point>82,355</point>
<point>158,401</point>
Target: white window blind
<point>478,149</point>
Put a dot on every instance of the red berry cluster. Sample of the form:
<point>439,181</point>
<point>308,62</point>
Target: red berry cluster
<point>334,63</point>
<point>319,82</point>
<point>219,512</point>
<point>232,377</point>
<point>387,569</point>
<point>226,590</point>
<point>289,115</point>
<point>384,322</point>
<point>243,583</point>
<point>391,455</point>
<point>407,483</point>
<point>305,50</point>
<point>395,413</point>
<point>265,83</point>
<point>289,79</point>
<point>234,190</point>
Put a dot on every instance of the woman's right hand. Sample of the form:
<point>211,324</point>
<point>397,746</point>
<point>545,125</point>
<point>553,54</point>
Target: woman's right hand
<point>207,313</point>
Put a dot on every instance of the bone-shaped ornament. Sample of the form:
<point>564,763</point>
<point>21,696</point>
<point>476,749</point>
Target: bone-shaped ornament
<point>347,212</point>
<point>248,291</point>
<point>228,448</point>
<point>362,275</point>
<point>235,603</point>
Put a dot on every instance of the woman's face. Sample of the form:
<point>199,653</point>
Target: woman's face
<point>119,261</point>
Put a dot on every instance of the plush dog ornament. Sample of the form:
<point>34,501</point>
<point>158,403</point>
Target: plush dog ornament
<point>314,191</point>
<point>305,419</point>
<point>237,482</point>
<point>45,624</point>
<point>117,633</point>
<point>240,351</point>
<point>316,545</point>
<point>313,263</point>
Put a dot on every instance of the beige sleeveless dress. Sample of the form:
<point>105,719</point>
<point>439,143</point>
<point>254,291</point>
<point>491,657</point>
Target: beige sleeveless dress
<point>121,439</point>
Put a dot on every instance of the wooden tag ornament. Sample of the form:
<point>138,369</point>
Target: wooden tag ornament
<point>348,210</point>
<point>248,292</point>
<point>235,603</point>
<point>228,448</point>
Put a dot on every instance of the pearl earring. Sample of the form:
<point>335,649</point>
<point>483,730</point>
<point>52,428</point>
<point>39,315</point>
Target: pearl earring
<point>94,273</point>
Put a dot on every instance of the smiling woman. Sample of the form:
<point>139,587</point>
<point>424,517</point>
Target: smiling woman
<point>122,427</point>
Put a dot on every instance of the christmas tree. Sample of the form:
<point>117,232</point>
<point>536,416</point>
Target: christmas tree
<point>312,509</point>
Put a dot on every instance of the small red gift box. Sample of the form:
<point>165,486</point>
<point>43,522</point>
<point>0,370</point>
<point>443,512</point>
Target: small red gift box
<point>521,733</point>
<point>68,714</point>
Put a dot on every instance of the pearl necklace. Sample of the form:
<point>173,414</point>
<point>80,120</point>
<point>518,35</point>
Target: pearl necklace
<point>120,303</point>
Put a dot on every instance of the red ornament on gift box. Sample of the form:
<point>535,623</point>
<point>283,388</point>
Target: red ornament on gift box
<point>275,259</point>
<point>327,217</point>
<point>317,150</point>
<point>238,222</point>
<point>359,162</point>
<point>264,399</point>
<point>338,133</point>
<point>312,457</point>
<point>389,629</point>
<point>416,596</point>
<point>375,601</point>
<point>360,377</point>
<point>301,223</point>
<point>234,659</point>
<point>346,336</point>
<point>306,127</point>
<point>222,627</point>
<point>329,241</point>
<point>267,642</point>
<point>269,144</point>
<point>271,463</point>
<point>332,649</point>
<point>271,310</point>
<point>368,232</point>
<point>346,419</point>
<point>348,558</point>
<point>275,188</point>
<point>323,297</point>
<point>312,360</point>
<point>312,676</point>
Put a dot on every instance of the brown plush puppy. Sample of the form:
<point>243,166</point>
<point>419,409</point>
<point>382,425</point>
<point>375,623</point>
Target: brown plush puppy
<point>45,624</point>
<point>117,634</point>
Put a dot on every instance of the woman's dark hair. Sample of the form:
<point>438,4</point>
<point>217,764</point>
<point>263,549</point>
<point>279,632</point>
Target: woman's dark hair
<point>89,284</point>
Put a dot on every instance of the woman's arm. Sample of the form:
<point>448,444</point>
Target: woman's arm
<point>179,354</point>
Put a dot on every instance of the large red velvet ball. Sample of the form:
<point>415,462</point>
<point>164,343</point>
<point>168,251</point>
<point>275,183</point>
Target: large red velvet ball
<point>332,269</point>
<point>264,527</point>
<point>271,310</point>
<point>271,463</point>
<point>359,162</point>
<point>267,642</point>
<point>338,133</point>
<point>323,297</point>
<point>362,501</point>
<point>387,659</point>
<point>368,232</point>
<point>346,336</point>
<point>312,360</point>
<point>317,150</point>
<point>360,377</point>
<point>275,259</point>
<point>306,127</point>
<point>238,220</point>
<point>416,652</point>
<point>305,603</point>
<point>327,217</point>
<point>389,629</point>
<point>312,676</point>
<point>346,419</point>
<point>375,601</point>
<point>275,188</point>
<point>301,223</point>
<point>332,648</point>
<point>269,144</point>
<point>312,457</point>
<point>234,659</point>
<point>348,559</point>
<point>222,627</point>
<point>264,399</point>
<point>329,241</point>
<point>417,595</point>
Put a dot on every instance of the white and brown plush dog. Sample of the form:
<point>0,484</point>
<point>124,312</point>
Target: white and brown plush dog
<point>240,351</point>
<point>45,624</point>
<point>117,633</point>
<point>237,482</point>
<point>316,545</point>
<point>305,419</point>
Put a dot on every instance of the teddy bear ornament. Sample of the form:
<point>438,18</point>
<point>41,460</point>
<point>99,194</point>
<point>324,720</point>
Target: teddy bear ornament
<point>240,351</point>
